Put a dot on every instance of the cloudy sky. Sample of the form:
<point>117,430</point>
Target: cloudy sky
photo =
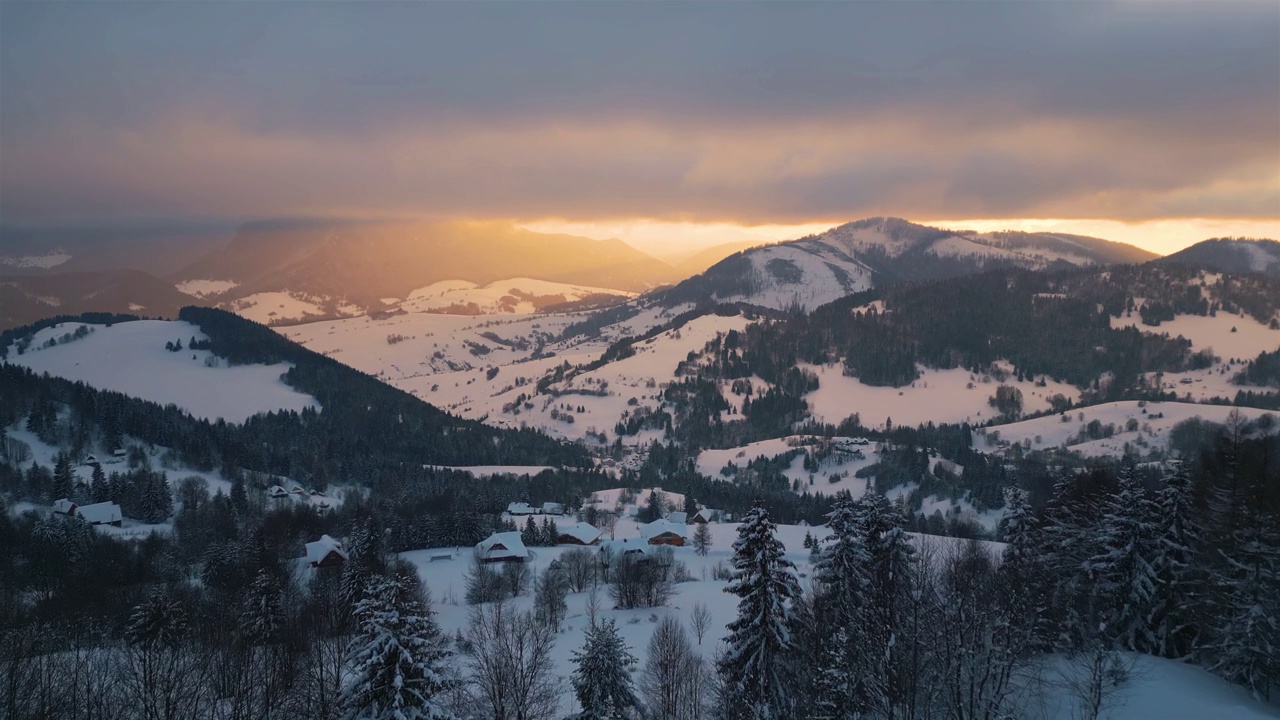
<point>649,120</point>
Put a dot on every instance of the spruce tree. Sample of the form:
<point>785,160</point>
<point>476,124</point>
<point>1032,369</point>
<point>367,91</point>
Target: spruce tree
<point>602,679</point>
<point>396,665</point>
<point>754,667</point>
<point>1120,571</point>
<point>840,594</point>
<point>1172,621</point>
<point>63,480</point>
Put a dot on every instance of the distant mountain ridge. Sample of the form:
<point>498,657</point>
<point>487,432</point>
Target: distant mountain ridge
<point>857,256</point>
<point>25,299</point>
<point>1232,255</point>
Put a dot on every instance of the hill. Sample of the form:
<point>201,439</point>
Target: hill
<point>30,297</point>
<point>1232,255</point>
<point>857,256</point>
<point>365,266</point>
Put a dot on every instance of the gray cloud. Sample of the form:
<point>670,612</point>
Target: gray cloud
<point>752,112</point>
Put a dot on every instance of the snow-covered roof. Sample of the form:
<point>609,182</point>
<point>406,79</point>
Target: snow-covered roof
<point>626,545</point>
<point>320,549</point>
<point>706,515</point>
<point>99,513</point>
<point>64,506</point>
<point>585,533</point>
<point>553,508</point>
<point>678,517</point>
<point>277,491</point>
<point>663,525</point>
<point>503,545</point>
<point>519,508</point>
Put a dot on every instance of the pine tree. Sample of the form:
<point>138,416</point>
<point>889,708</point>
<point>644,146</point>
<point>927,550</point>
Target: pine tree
<point>99,490</point>
<point>840,594</point>
<point>155,502</point>
<point>63,480</point>
<point>263,618</point>
<point>1120,571</point>
<point>754,667</point>
<point>396,666</point>
<point>1172,619</point>
<point>157,621</point>
<point>602,679</point>
<point>702,539</point>
<point>530,535</point>
<point>1025,589</point>
<point>889,572</point>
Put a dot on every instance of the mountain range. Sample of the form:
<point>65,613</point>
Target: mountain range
<point>298,270</point>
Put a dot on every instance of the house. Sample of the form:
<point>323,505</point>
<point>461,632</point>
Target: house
<point>552,508</point>
<point>626,546</point>
<point>297,489</point>
<point>64,507</point>
<point>325,552</point>
<point>103,513</point>
<point>277,492</point>
<point>680,518</point>
<point>91,460</point>
<point>578,534</point>
<point>706,515</point>
<point>519,508</point>
<point>664,532</point>
<point>503,547</point>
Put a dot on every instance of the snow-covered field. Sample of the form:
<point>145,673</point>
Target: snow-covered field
<point>205,288</point>
<point>939,396</point>
<point>46,261</point>
<point>284,306</point>
<point>513,296</point>
<point>131,358</point>
<point>1153,421</point>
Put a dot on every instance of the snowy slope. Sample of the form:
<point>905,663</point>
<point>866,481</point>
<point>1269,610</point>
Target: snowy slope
<point>1154,421</point>
<point>131,358</point>
<point>513,296</point>
<point>44,261</point>
<point>206,288</point>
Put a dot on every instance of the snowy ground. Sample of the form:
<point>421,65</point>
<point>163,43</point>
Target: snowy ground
<point>1154,422</point>
<point>131,358</point>
<point>205,288</point>
<point>939,396</point>
<point>1162,689</point>
<point>514,296</point>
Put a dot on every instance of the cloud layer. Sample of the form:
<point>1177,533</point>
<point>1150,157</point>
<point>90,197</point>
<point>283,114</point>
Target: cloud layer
<point>740,112</point>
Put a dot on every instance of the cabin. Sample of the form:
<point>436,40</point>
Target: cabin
<point>325,552</point>
<point>552,508</point>
<point>91,460</point>
<point>626,546</point>
<point>64,507</point>
<point>503,547</point>
<point>519,508</point>
<point>664,532</point>
<point>103,513</point>
<point>298,489</point>
<point>578,534</point>
<point>278,492</point>
<point>705,515</point>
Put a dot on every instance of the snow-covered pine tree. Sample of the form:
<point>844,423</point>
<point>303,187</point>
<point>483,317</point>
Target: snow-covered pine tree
<point>1064,544</point>
<point>754,667</point>
<point>530,535</point>
<point>396,663</point>
<point>1121,574</point>
<point>99,490</point>
<point>155,502</point>
<point>63,480</point>
<point>602,679</point>
<point>890,572</point>
<point>839,597</point>
<point>364,560</point>
<point>263,618</point>
<point>1173,622</point>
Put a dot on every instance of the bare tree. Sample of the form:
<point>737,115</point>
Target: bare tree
<point>549,592</point>
<point>510,660</point>
<point>640,582</point>
<point>701,620</point>
<point>516,577</point>
<point>702,539</point>
<point>667,681</point>
<point>580,567</point>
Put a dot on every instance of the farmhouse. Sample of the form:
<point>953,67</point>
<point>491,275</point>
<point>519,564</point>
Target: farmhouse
<point>277,492</point>
<point>578,534</point>
<point>664,532</point>
<point>503,547</point>
<point>552,508</point>
<point>519,508</point>
<point>64,507</point>
<point>705,515</point>
<point>627,546</point>
<point>103,513</point>
<point>325,552</point>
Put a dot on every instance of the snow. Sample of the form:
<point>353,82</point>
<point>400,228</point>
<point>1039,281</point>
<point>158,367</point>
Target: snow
<point>1050,431</point>
<point>206,288</point>
<point>939,396</point>
<point>46,261</point>
<point>320,549</point>
<point>512,546</point>
<point>1250,338</point>
<point>130,358</point>
<point>1259,259</point>
<point>482,471</point>
<point>815,283</point>
<point>100,513</point>
<point>512,296</point>
<point>269,307</point>
<point>584,533</point>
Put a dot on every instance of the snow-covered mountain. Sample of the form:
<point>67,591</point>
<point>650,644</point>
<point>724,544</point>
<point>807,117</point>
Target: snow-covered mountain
<point>27,298</point>
<point>372,266</point>
<point>1234,255</point>
<point>815,270</point>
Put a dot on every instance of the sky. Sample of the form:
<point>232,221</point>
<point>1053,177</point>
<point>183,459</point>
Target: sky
<point>672,124</point>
